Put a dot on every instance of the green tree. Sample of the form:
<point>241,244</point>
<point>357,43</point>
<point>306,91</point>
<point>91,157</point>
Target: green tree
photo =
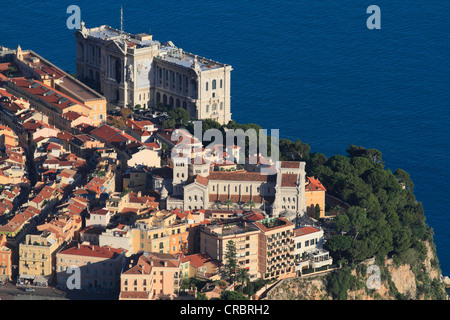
<point>228,203</point>
<point>230,265</point>
<point>180,116</point>
<point>293,150</point>
<point>339,245</point>
<point>339,282</point>
<point>317,211</point>
<point>403,177</point>
<point>232,295</point>
<point>201,296</point>
<point>243,277</point>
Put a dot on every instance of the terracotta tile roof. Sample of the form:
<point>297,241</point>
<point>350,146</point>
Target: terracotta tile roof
<point>314,184</point>
<point>240,176</point>
<point>289,180</point>
<point>93,251</point>
<point>254,216</point>
<point>102,212</point>
<point>134,295</point>
<point>104,132</point>
<point>46,93</point>
<point>290,164</point>
<point>301,231</point>
<point>71,115</point>
<point>198,260</point>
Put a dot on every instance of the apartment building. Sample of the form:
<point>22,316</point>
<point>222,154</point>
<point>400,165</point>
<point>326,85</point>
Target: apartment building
<point>276,248</point>
<point>245,236</point>
<point>37,257</point>
<point>160,234</point>
<point>151,276</point>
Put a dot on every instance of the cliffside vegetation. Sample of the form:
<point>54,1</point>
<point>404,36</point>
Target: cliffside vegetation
<point>384,220</point>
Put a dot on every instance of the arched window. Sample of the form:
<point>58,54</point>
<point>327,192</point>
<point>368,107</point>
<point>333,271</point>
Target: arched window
<point>214,107</point>
<point>207,85</point>
<point>221,106</point>
<point>213,85</point>
<point>207,108</point>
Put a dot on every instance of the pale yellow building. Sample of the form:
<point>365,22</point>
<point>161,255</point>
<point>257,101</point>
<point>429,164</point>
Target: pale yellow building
<point>37,255</point>
<point>160,233</point>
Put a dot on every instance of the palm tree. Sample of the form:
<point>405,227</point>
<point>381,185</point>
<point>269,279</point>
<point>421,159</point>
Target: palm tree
<point>242,276</point>
<point>228,203</point>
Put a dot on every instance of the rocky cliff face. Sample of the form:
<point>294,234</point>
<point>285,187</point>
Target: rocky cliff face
<point>391,281</point>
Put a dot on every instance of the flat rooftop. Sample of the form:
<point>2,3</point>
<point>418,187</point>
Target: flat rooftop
<point>167,51</point>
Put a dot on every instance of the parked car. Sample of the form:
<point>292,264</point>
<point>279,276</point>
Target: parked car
<point>29,290</point>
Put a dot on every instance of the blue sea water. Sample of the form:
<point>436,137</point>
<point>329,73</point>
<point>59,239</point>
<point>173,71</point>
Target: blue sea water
<point>309,68</point>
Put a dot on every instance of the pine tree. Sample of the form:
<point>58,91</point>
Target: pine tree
<point>230,264</point>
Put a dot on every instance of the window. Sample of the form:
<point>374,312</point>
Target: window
<point>207,85</point>
<point>221,83</point>
<point>213,85</point>
<point>207,108</point>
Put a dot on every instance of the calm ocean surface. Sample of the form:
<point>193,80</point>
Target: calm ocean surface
<point>309,68</point>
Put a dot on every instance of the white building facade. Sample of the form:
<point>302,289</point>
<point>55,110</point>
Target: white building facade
<point>132,70</point>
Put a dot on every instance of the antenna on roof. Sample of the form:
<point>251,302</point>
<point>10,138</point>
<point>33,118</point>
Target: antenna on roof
<point>121,19</point>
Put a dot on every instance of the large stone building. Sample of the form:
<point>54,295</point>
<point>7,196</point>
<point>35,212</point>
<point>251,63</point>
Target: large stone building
<point>132,70</point>
<point>282,193</point>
